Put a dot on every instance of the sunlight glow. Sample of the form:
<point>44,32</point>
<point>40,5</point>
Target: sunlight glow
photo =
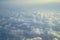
<point>31,2</point>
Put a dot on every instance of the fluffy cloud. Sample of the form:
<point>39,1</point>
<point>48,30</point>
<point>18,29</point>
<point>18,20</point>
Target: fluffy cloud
<point>36,38</point>
<point>55,39</point>
<point>28,25</point>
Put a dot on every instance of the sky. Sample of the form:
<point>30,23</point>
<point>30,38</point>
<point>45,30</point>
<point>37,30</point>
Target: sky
<point>27,24</point>
<point>27,2</point>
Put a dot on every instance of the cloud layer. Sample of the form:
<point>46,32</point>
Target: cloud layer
<point>18,24</point>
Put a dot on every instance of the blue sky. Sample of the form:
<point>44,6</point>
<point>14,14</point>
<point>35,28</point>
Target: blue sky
<point>25,2</point>
<point>51,4</point>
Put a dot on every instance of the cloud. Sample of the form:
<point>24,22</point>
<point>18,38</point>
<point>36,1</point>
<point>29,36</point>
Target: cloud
<point>55,39</point>
<point>36,38</point>
<point>56,34</point>
<point>13,28</point>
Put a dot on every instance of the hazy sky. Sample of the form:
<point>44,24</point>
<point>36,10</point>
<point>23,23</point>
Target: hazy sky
<point>25,2</point>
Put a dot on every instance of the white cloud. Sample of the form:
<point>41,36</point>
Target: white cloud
<point>54,33</point>
<point>55,39</point>
<point>36,31</point>
<point>17,32</point>
<point>35,38</point>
